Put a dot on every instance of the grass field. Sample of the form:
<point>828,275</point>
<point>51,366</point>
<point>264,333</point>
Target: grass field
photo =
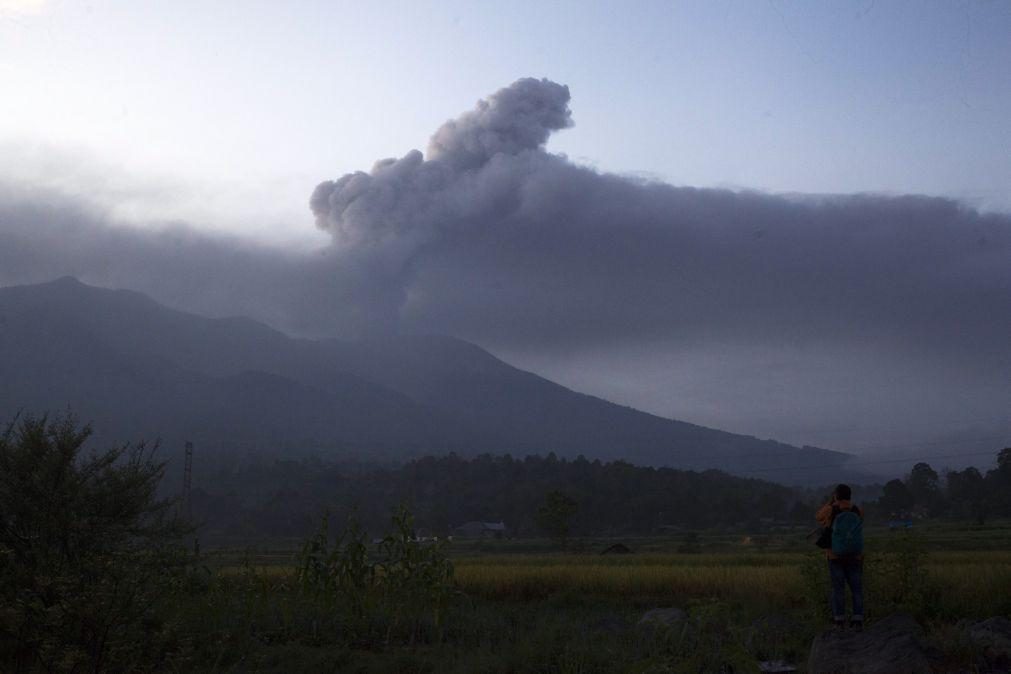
<point>970,564</point>
<point>527,606</point>
<point>971,583</point>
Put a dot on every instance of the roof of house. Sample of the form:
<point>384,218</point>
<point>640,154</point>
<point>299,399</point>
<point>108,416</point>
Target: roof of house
<point>487,526</point>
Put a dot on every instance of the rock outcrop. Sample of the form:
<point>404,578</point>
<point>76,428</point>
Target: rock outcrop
<point>993,635</point>
<point>662,618</point>
<point>893,645</point>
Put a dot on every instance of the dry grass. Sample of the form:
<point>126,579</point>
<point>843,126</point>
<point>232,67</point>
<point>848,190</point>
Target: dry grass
<point>967,578</point>
<point>529,581</point>
<point>970,581</point>
<point>974,584</point>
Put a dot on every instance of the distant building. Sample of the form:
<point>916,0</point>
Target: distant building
<point>616,549</point>
<point>900,521</point>
<point>481,530</point>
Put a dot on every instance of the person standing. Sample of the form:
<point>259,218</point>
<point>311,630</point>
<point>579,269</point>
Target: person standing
<point>844,548</point>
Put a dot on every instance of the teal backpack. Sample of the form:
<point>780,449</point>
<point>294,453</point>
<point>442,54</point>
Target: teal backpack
<point>847,533</point>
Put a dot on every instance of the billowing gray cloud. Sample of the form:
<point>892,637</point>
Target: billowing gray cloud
<point>491,237</point>
<point>512,120</point>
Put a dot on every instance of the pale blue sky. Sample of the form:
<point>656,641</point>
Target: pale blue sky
<point>229,113</point>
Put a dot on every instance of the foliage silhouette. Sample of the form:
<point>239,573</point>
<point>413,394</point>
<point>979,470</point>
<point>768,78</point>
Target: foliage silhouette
<point>86,549</point>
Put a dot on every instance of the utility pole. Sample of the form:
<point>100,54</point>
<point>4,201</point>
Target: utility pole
<point>187,484</point>
<point>188,480</point>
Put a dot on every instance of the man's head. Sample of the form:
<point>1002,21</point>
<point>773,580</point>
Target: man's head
<point>843,493</point>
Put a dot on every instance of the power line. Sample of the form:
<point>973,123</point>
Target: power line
<point>863,427</point>
<point>795,452</point>
<point>986,438</point>
<point>869,463</point>
<point>188,480</point>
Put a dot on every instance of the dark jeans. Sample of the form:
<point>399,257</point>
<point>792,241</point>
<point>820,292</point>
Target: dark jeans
<point>843,572</point>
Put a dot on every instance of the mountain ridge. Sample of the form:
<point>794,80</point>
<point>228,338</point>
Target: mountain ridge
<point>133,366</point>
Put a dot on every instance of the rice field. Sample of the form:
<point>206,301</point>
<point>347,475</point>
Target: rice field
<point>773,578</point>
<point>966,579</point>
<point>525,606</point>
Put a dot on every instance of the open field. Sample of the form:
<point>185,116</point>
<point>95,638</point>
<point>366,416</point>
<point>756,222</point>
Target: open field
<point>525,606</point>
<point>971,583</point>
<point>971,565</point>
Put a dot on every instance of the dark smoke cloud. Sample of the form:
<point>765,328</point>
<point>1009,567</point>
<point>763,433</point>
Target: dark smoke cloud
<point>495,238</point>
<point>490,237</point>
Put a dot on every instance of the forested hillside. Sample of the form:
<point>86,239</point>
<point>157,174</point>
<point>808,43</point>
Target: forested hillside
<point>138,370</point>
<point>267,498</point>
<point>276,498</point>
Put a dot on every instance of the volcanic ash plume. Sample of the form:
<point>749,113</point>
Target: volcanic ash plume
<point>475,165</point>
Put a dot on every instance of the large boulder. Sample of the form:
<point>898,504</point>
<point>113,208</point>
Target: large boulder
<point>663,618</point>
<point>893,645</point>
<point>993,635</point>
<point>776,667</point>
<point>772,637</point>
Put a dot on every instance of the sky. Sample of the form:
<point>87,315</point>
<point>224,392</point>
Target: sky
<point>195,133</point>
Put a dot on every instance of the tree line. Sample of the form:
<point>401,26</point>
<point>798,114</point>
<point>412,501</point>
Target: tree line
<point>284,497</point>
<point>278,498</point>
<point>965,494</point>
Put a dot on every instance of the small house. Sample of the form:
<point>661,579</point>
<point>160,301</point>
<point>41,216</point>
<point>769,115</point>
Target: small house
<point>617,549</point>
<point>477,529</point>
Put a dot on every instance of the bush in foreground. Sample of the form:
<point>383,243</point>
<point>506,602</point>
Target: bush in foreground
<point>87,549</point>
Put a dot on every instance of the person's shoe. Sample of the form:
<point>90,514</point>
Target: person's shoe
<point>840,625</point>
<point>857,625</point>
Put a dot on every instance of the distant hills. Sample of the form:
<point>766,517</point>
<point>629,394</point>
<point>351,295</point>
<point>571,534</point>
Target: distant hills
<point>137,369</point>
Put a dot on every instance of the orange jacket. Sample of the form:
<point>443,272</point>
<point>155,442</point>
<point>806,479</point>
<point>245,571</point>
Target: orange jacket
<point>824,517</point>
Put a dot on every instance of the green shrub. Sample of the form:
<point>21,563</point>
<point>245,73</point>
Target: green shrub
<point>416,578</point>
<point>339,574</point>
<point>86,551</point>
<point>897,579</point>
<point>407,587</point>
